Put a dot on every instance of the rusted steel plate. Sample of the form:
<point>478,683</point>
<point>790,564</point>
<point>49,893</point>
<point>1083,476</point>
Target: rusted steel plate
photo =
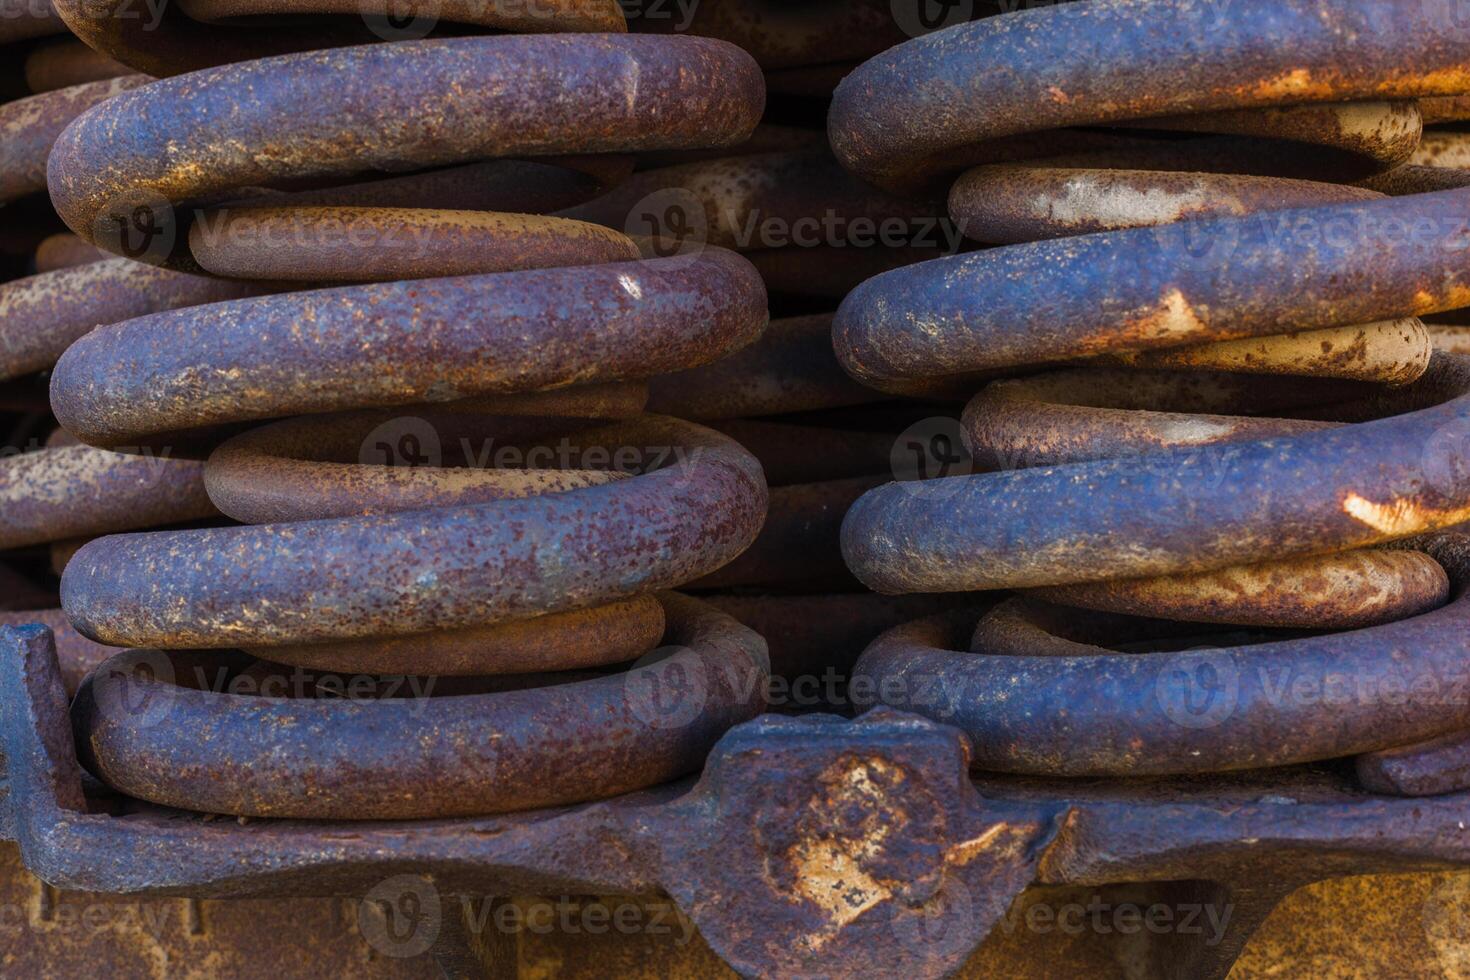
<point>29,127</point>
<point>352,347</point>
<point>1181,510</point>
<point>791,368</point>
<point>410,105</point>
<point>458,453</point>
<point>1039,695</point>
<point>457,756</point>
<point>412,572</point>
<point>911,112</point>
<point>62,64</point>
<point>73,933</point>
<point>749,881</point>
<point>42,315</point>
<point>1152,288</point>
<point>1344,591</point>
<point>172,40</point>
<point>66,491</point>
<point>338,244</point>
<point>76,654</point>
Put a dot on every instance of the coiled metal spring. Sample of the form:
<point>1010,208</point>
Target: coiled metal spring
<point>1252,501</point>
<point>533,334</point>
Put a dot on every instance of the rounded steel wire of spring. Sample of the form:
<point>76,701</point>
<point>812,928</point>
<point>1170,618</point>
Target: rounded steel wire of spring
<point>513,571</point>
<point>64,490</point>
<point>477,330</point>
<point>464,754</point>
<point>185,37</point>
<point>1127,498</point>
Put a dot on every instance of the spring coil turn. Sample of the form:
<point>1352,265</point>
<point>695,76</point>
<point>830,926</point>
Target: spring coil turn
<point>1127,500</point>
<point>533,334</point>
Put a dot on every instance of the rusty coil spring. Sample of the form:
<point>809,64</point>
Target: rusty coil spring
<point>64,490</point>
<point>1118,493</point>
<point>187,37</point>
<point>473,752</point>
<point>508,330</point>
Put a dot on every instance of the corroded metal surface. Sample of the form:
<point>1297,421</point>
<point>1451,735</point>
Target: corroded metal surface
<point>384,244</point>
<point>1288,496</point>
<point>1159,181</point>
<point>1145,289</point>
<point>42,315</point>
<point>904,115</point>
<point>786,807</point>
<point>180,37</point>
<point>1043,694</point>
<point>29,127</point>
<point>336,349</point>
<point>1343,591</point>
<point>389,107</point>
<point>67,491</point>
<point>468,453</point>
<point>1016,203</point>
<point>455,756</point>
<point>414,571</point>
